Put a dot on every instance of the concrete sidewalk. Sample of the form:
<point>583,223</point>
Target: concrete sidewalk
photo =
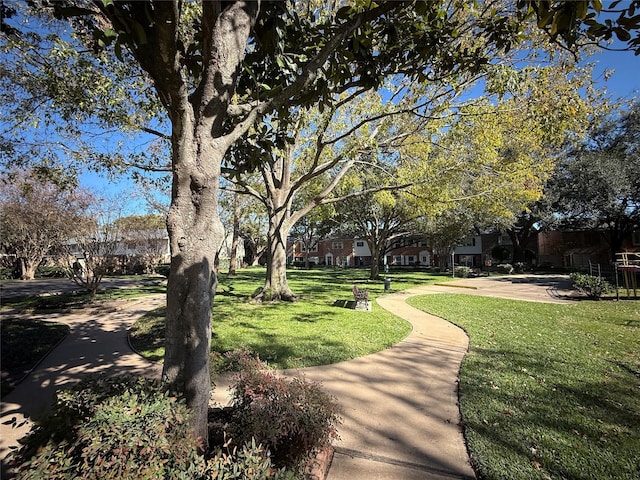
<point>401,414</point>
<point>400,406</point>
<point>98,342</point>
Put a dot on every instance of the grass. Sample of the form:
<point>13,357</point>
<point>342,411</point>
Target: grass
<point>548,391</point>
<point>316,330</point>
<point>74,300</point>
<point>24,342</point>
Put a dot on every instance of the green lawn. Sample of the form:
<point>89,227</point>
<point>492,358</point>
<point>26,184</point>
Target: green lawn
<point>548,391</point>
<point>23,343</point>
<point>316,330</point>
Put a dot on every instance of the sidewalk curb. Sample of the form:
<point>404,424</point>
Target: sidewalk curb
<point>455,286</point>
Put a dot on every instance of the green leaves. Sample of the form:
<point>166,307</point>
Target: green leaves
<point>582,21</point>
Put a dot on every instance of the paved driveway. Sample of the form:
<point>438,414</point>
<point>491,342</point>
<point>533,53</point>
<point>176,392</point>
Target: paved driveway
<point>534,288</point>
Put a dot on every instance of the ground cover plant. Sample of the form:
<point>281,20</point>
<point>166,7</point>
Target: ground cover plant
<point>127,427</point>
<point>548,391</point>
<point>23,343</point>
<point>316,330</point>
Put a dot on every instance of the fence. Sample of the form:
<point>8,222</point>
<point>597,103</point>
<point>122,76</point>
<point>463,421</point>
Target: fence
<point>623,273</point>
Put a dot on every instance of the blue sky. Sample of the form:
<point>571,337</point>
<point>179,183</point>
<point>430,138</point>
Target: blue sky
<point>626,78</point>
<point>624,83</point>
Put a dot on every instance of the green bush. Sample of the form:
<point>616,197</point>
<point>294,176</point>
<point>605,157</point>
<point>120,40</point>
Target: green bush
<point>505,268</point>
<point>163,269</point>
<point>113,428</point>
<point>462,272</point>
<point>500,253</point>
<point>251,462</point>
<point>592,286</point>
<point>294,418</point>
<point>50,272</point>
<point>7,273</point>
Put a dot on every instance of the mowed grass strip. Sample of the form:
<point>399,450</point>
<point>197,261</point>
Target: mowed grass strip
<point>315,330</point>
<point>548,391</point>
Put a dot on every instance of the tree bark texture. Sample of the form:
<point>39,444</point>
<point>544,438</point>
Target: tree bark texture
<point>200,138</point>
<point>233,257</point>
<point>276,286</point>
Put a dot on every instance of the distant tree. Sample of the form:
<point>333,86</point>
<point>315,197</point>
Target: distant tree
<point>36,216</point>
<point>217,69</point>
<point>302,174</point>
<point>379,218</point>
<point>311,228</point>
<point>233,258</point>
<point>145,239</point>
<point>93,250</point>
<point>598,185</point>
<point>447,230</point>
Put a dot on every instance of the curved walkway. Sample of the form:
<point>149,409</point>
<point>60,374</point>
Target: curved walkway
<point>400,406</point>
<point>98,342</point>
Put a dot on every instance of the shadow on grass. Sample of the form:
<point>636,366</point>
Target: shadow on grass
<point>556,422</point>
<point>24,342</point>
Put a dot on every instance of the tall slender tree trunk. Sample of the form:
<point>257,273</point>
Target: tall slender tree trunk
<point>375,262</point>
<point>233,258</point>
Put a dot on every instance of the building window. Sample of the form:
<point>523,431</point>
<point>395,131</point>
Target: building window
<point>336,245</point>
<point>397,260</point>
<point>359,244</point>
<point>313,248</point>
<point>466,260</point>
<point>470,242</point>
<point>411,259</point>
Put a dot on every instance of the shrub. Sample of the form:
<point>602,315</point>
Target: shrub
<point>50,272</point>
<point>519,267</point>
<point>462,272</point>
<point>293,417</point>
<point>505,268</point>
<point>500,253</point>
<point>113,428</point>
<point>592,286</point>
<point>251,462</point>
<point>7,273</point>
<point>163,269</point>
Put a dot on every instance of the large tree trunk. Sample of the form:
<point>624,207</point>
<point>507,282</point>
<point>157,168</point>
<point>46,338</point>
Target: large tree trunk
<point>27,268</point>
<point>195,233</point>
<point>200,139</point>
<point>276,286</point>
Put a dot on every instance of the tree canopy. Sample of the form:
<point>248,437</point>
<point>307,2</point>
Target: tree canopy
<point>597,186</point>
<point>219,68</point>
<point>37,216</point>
